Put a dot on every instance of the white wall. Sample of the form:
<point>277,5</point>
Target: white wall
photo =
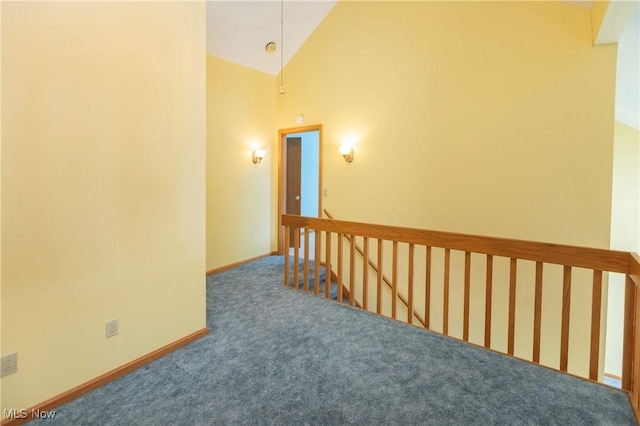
<point>625,203</point>
<point>628,74</point>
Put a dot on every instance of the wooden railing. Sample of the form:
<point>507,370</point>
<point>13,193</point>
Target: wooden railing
<point>451,314</point>
<point>364,253</point>
<point>631,349</point>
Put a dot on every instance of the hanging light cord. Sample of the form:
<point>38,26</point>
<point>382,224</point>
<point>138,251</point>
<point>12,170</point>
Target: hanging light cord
<point>282,47</point>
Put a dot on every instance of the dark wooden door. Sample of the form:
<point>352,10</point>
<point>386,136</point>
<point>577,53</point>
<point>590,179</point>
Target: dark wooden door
<point>294,176</point>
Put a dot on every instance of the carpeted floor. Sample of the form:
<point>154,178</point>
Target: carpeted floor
<point>278,356</point>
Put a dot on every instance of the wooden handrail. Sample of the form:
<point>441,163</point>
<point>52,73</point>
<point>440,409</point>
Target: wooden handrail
<point>581,257</point>
<point>384,278</point>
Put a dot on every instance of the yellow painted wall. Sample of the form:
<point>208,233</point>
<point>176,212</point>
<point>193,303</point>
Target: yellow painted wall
<point>103,197</point>
<point>241,110</point>
<point>491,118</point>
<point>1,316</point>
<point>625,231</point>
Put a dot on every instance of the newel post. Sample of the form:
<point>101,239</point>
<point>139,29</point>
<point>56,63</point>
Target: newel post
<point>628,344</point>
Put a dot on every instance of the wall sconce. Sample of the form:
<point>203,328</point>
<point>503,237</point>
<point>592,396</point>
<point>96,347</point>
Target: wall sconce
<point>347,153</point>
<point>258,155</point>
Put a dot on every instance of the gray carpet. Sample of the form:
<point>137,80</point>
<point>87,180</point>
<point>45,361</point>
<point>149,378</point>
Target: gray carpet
<point>278,356</point>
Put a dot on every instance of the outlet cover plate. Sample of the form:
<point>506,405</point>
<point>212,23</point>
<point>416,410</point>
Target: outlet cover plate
<point>9,364</point>
<point>112,328</point>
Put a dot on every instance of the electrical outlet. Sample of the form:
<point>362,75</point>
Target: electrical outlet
<point>9,364</point>
<point>112,328</point>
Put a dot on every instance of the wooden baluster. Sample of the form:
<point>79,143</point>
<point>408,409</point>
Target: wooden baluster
<point>327,266</point>
<point>512,306</point>
<point>566,309</point>
<point>316,263</point>
<point>596,306</point>
<point>394,281</point>
<point>537,315</point>
<point>379,279</point>
<point>365,274</point>
<point>352,271</point>
<point>296,256</point>
<point>635,388</point>
<point>467,293</point>
<point>286,255</point>
<point>487,302</point>
<point>306,260</point>
<point>427,288</point>
<point>599,261</point>
<point>340,249</point>
<point>628,341</point>
<point>410,284</point>
<point>445,314</point>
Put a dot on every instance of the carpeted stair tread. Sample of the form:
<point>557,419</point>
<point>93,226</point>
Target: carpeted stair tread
<point>322,280</point>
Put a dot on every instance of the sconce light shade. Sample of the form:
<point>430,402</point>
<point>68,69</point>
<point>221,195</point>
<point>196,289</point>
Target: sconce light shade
<point>347,153</point>
<point>257,155</point>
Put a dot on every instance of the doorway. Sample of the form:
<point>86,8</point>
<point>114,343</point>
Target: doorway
<point>299,174</point>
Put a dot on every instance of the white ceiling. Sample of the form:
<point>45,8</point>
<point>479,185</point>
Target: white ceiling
<point>238,30</point>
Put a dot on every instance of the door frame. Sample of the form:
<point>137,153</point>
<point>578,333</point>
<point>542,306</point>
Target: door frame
<point>282,173</point>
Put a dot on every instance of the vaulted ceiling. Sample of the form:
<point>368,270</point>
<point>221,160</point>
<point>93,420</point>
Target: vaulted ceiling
<point>238,31</point>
